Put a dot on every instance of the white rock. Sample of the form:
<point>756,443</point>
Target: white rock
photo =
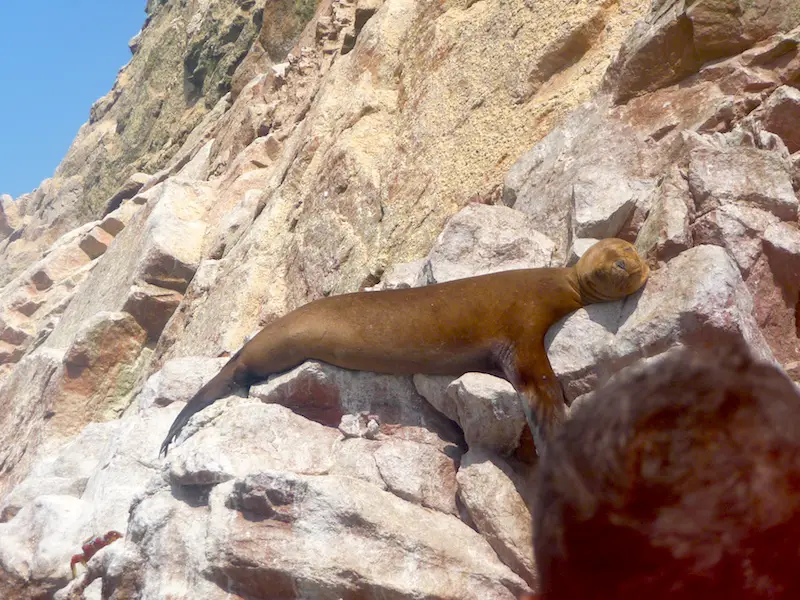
<point>602,202</point>
<point>238,436</point>
<point>178,380</point>
<point>489,411</point>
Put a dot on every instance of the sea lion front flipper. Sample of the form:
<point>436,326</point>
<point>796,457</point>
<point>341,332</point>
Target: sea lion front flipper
<point>529,371</point>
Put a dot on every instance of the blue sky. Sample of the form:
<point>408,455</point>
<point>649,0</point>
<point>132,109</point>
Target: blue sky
<point>56,58</point>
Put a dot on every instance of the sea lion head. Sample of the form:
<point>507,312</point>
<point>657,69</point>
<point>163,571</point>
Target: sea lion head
<point>609,270</point>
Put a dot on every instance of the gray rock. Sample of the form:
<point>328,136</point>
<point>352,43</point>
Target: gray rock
<point>235,437</point>
<point>37,544</point>
<point>698,296</point>
<point>488,488</point>
<point>489,411</point>
<point>603,201</point>
<point>390,547</point>
<point>665,233</point>
<point>750,176</point>
<point>483,239</point>
<point>578,248</point>
<point>419,473</point>
<point>402,275</point>
<point>361,425</point>
<point>578,345</point>
<point>588,150</point>
<point>22,413</point>
<point>178,380</point>
<point>324,393</point>
<point>64,471</point>
<point>658,52</point>
<point>782,244</point>
<point>737,228</point>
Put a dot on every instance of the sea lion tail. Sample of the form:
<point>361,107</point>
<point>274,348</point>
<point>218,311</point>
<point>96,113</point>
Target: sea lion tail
<point>220,385</point>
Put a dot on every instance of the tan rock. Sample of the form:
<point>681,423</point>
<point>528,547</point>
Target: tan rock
<point>10,353</point>
<point>10,217</point>
<point>58,265</point>
<point>126,191</point>
<point>115,221</point>
<point>152,306</point>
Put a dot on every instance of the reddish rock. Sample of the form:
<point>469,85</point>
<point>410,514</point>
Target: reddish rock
<point>657,53</point>
<point>152,307</point>
<point>97,374</point>
<point>775,309</point>
<point>96,242</point>
<point>782,116</point>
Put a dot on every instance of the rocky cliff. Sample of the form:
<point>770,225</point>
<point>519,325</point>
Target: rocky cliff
<point>254,156</point>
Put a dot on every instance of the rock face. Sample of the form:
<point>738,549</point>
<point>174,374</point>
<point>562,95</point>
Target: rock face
<point>256,156</point>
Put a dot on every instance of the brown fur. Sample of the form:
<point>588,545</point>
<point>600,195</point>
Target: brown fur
<point>678,480</point>
<point>493,323</point>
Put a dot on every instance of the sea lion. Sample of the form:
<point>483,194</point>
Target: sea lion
<point>678,480</point>
<point>491,323</point>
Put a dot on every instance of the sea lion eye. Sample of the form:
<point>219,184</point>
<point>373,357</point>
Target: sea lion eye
<point>621,264</point>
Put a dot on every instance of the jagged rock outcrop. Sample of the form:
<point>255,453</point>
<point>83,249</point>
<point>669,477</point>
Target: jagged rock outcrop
<point>183,65</point>
<point>245,163</point>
